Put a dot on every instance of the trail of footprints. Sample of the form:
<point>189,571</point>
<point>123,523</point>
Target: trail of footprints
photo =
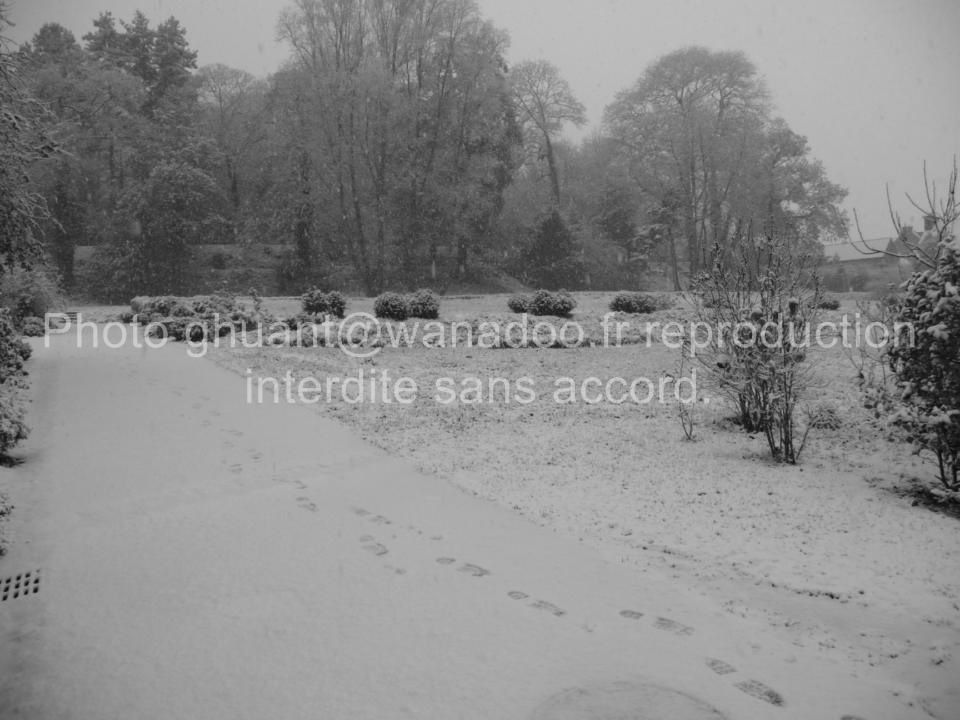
<point>753,688</point>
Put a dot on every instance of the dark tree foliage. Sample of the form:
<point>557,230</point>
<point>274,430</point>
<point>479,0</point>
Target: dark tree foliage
<point>553,258</point>
<point>23,144</point>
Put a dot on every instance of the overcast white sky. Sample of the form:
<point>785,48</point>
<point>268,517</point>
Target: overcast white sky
<point>873,84</point>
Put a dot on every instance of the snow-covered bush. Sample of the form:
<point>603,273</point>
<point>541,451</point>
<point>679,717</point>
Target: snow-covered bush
<point>926,360</point>
<point>14,352</point>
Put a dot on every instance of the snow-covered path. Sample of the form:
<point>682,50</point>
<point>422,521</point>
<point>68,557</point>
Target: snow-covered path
<point>203,558</point>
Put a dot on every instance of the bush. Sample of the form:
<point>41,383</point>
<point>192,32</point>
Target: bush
<point>6,509</point>
<point>634,302</point>
<point>926,365</point>
<point>208,307</point>
<point>336,304</point>
<point>544,302</point>
<point>519,303</point>
<point>828,303</point>
<point>314,301</point>
<point>317,302</point>
<point>392,306</point>
<point>760,297</point>
<point>34,327</point>
<point>163,305</point>
<point>220,303</point>
<point>204,316</point>
<point>14,352</point>
<point>424,304</point>
<point>824,417</point>
<point>27,293</point>
<point>890,300</point>
<point>139,303</point>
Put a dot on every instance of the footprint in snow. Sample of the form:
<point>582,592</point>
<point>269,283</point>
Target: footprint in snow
<point>474,570</point>
<point>720,667</point>
<point>376,548</point>
<point>631,614</point>
<point>549,607</point>
<point>307,504</point>
<point>757,689</point>
<point>673,626</point>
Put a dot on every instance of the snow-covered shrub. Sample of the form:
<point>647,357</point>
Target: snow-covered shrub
<point>33,327</point>
<point>926,360</point>
<point>14,352</point>
<point>634,302</point>
<point>760,298</point>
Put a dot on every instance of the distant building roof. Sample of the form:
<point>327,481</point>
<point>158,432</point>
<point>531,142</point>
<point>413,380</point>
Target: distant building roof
<point>850,250</point>
<point>905,245</point>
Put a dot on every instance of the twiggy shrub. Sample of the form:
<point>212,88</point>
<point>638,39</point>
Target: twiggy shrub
<point>755,308</point>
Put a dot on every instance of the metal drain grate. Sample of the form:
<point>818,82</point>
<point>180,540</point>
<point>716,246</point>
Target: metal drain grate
<point>24,584</point>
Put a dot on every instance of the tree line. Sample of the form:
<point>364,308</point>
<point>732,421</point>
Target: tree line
<point>397,148</point>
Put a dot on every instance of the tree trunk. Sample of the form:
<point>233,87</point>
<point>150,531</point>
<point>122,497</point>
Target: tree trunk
<point>674,262</point>
<point>552,165</point>
<point>461,259</point>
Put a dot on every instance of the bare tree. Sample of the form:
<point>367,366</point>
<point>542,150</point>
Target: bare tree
<point>940,211</point>
<point>546,103</point>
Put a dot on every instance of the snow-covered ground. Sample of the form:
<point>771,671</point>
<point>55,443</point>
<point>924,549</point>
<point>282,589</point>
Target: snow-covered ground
<point>202,557</point>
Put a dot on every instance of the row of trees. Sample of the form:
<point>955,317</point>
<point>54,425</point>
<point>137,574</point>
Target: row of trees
<point>23,144</point>
<point>396,147</point>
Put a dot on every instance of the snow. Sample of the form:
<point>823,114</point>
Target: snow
<point>206,558</point>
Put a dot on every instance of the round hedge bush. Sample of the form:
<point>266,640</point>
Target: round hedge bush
<point>424,304</point>
<point>519,303</point>
<point>318,302</point>
<point>336,304</point>
<point>314,301</point>
<point>633,302</point>
<point>544,302</point>
<point>392,306</point>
